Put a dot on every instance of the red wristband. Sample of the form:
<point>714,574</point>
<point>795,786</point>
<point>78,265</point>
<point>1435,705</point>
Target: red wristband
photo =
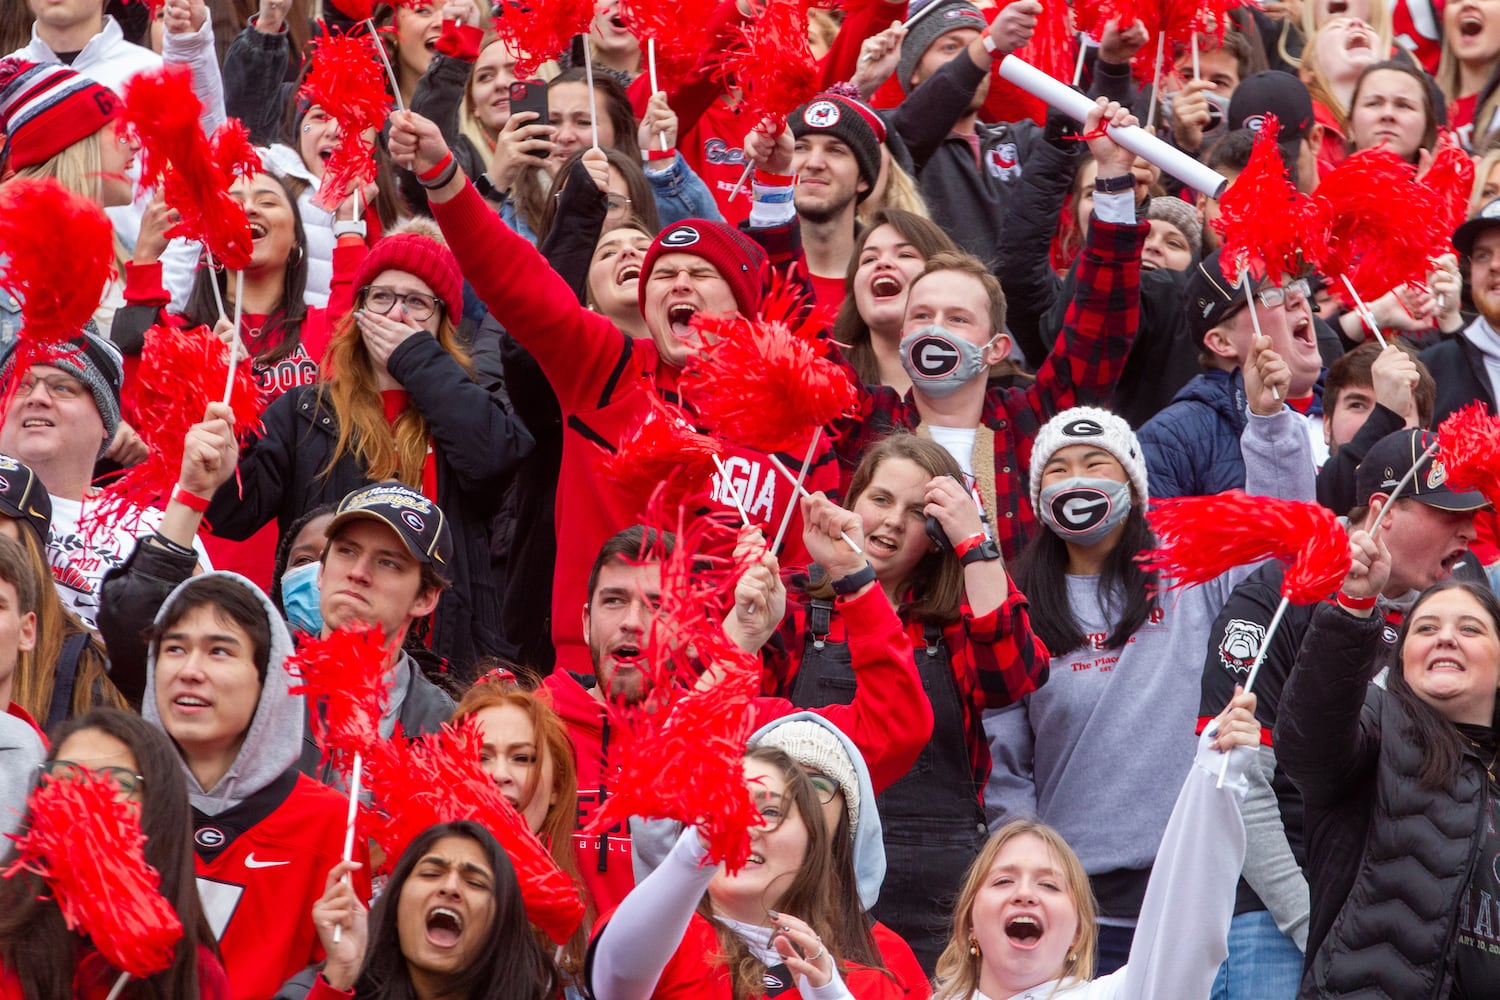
<point>437,171</point>
<point>1355,603</point>
<point>189,500</point>
<point>969,544</point>
<point>769,179</point>
<point>652,155</point>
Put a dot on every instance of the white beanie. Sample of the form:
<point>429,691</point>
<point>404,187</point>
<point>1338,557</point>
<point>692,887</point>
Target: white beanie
<point>817,749</point>
<point>1089,425</point>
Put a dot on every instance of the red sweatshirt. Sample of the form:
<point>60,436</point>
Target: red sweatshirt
<point>604,381</point>
<point>889,721</point>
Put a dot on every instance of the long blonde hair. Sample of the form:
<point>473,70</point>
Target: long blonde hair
<point>351,388</point>
<point>80,169</point>
<point>36,668</point>
<point>900,192</point>
<point>958,968</point>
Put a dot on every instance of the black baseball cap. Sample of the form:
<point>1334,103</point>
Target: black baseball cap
<point>1274,93</point>
<point>23,497</point>
<point>1468,231</point>
<point>1392,457</point>
<point>418,521</point>
<point>1209,298</point>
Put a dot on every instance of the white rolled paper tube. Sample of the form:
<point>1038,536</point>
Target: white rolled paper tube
<point>1075,105</point>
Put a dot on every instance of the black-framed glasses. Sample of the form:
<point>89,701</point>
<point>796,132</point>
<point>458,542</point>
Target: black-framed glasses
<point>824,786</point>
<point>58,386</point>
<point>126,780</point>
<point>380,299</point>
<point>773,808</point>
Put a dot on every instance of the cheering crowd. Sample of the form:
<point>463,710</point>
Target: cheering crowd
<point>993,752</point>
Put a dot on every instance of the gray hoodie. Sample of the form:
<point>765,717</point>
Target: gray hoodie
<point>20,752</point>
<point>651,840</point>
<point>275,736</point>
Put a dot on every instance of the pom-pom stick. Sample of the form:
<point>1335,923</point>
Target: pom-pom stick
<point>356,772</point>
<point>385,60</point>
<point>1161,41</point>
<point>119,986</point>
<point>1134,138</point>
<point>438,779</point>
<point>802,491</point>
<point>1404,482</point>
<point>87,845</point>
<point>588,72</point>
<point>736,492</point>
<point>1365,314</point>
<point>1083,50</point>
<point>1469,443</point>
<point>234,339</point>
<point>651,68</point>
<point>37,216</point>
<point>1255,319</point>
<point>1196,74</point>
<point>786,518</point>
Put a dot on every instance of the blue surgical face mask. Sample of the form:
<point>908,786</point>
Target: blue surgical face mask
<point>299,596</point>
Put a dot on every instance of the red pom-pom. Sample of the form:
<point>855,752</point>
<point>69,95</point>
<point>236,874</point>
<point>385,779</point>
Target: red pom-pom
<point>771,63</point>
<point>1052,48</point>
<point>88,846</point>
<point>666,454</point>
<point>768,383</point>
<point>1201,538</point>
<point>346,80</point>
<point>1265,223</point>
<point>1384,227</point>
<point>438,779</point>
<point>680,755</point>
<point>1450,177</point>
<point>344,675</point>
<point>180,373</point>
<point>541,29</point>
<point>681,35</point>
<point>356,10</point>
<point>1469,448</point>
<point>39,220</point>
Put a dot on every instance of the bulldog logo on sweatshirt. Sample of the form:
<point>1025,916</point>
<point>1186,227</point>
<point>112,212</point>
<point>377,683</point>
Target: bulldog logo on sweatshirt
<point>1240,645</point>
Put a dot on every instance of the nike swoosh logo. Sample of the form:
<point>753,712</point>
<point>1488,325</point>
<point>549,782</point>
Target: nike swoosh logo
<point>250,862</point>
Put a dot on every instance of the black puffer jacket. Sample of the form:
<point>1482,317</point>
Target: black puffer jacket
<point>476,445</point>
<point>1388,857</point>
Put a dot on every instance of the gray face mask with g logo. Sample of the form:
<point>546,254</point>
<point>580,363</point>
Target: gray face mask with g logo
<point>938,361</point>
<point>1084,510</point>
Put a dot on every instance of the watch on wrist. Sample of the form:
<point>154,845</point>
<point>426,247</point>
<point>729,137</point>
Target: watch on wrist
<point>1115,185</point>
<point>985,551</point>
<point>844,586</point>
<point>349,227</point>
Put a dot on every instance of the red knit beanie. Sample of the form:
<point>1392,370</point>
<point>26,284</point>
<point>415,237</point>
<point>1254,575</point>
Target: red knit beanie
<point>423,257</point>
<point>46,109</point>
<point>739,260</point>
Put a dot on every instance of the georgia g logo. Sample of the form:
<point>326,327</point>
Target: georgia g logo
<point>933,357</point>
<point>1082,427</point>
<point>682,236</point>
<point>1081,508</point>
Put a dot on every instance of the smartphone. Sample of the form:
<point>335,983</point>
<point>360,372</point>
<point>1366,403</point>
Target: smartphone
<point>530,95</point>
<point>935,530</point>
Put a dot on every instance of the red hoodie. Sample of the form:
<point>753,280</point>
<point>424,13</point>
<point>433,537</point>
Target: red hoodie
<point>889,720</point>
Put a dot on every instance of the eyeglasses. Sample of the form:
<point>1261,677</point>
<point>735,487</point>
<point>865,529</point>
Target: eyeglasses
<point>1274,296</point>
<point>618,205</point>
<point>126,780</point>
<point>379,299</point>
<point>773,809</point>
<point>58,386</point>
<point>825,787</point>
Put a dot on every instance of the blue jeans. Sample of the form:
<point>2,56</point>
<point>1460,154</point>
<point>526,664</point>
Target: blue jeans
<point>1263,963</point>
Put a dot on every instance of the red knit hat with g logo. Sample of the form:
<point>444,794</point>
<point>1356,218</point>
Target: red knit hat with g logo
<point>739,260</point>
<point>46,109</point>
<point>422,257</point>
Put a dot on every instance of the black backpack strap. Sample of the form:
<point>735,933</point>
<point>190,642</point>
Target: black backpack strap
<point>62,682</point>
